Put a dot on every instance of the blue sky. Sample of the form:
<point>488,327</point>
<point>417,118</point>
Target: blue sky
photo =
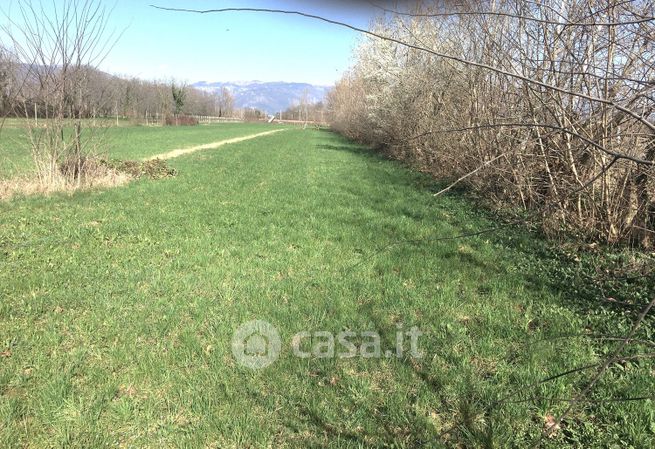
<point>234,46</point>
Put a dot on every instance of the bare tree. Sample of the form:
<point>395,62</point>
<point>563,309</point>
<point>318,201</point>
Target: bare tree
<point>225,103</point>
<point>57,49</point>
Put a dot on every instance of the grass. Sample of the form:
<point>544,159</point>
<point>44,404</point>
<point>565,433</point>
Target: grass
<point>118,309</point>
<point>14,151</point>
<point>134,142</point>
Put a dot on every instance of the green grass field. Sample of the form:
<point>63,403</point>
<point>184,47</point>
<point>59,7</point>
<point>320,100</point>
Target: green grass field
<point>134,142</point>
<point>118,308</point>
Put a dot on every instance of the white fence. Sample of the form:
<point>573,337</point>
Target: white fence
<point>209,119</point>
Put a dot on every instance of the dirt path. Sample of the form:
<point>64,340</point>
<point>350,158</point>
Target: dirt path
<point>182,151</point>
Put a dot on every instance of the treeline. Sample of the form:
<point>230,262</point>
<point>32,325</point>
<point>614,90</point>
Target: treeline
<point>103,95</point>
<point>306,112</point>
<point>541,106</point>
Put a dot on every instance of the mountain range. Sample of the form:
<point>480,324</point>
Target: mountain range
<point>270,97</point>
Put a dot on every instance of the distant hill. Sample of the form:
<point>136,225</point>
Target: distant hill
<point>270,97</point>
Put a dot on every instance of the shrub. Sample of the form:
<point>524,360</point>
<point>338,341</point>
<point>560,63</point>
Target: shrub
<point>531,134</point>
<point>181,120</point>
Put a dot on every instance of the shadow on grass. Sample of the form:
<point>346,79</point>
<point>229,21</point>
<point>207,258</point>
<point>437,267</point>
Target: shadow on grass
<point>578,277</point>
<point>564,266</point>
<point>387,434</point>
